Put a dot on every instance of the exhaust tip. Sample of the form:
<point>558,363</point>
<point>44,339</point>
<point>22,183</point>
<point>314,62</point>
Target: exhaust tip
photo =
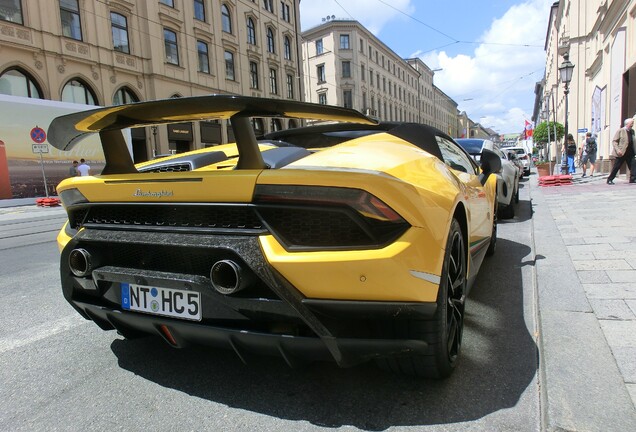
<point>226,277</point>
<point>80,262</point>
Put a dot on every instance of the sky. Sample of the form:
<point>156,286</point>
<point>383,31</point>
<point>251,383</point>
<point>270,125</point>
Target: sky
<point>491,53</point>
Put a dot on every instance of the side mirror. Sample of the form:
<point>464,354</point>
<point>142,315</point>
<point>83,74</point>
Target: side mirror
<point>490,163</point>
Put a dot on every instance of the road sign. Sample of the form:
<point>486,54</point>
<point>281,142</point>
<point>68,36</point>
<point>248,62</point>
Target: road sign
<point>582,130</point>
<point>38,135</point>
<point>40,148</point>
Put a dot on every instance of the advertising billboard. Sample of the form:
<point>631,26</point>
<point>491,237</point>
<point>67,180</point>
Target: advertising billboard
<point>28,163</point>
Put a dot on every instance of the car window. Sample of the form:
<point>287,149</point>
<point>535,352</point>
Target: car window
<point>519,151</point>
<point>454,157</point>
<point>472,146</point>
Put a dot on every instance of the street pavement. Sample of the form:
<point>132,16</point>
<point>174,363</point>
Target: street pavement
<point>582,239</point>
<point>585,264</point>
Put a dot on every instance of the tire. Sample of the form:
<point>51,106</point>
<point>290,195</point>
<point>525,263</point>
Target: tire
<point>443,332</point>
<point>508,212</point>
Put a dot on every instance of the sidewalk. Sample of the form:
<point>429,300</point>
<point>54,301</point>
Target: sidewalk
<point>16,202</point>
<point>586,295</point>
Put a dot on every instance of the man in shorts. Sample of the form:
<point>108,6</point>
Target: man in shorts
<point>589,149</point>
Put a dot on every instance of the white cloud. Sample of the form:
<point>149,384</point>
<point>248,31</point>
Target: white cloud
<point>498,73</point>
<point>373,18</point>
<point>501,73</point>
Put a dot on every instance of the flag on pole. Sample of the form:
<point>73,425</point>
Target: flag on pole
<point>528,130</point>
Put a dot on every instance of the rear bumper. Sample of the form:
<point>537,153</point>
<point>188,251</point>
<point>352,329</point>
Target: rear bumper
<point>350,351</point>
<point>274,320</point>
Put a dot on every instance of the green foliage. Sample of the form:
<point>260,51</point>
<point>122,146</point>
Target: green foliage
<point>540,134</point>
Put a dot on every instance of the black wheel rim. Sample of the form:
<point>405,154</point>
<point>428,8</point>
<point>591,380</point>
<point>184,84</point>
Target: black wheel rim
<point>456,283</point>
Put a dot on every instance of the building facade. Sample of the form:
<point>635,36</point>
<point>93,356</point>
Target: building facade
<point>346,65</point>
<point>119,51</point>
<point>599,38</point>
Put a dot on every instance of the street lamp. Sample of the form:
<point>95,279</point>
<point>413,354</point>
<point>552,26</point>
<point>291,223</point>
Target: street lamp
<point>154,136</point>
<point>565,72</point>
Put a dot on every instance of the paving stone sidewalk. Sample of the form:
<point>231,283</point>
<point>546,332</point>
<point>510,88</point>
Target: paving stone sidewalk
<point>585,245</point>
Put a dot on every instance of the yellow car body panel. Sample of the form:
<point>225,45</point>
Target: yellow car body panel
<point>63,238</point>
<point>380,164</point>
<point>393,273</point>
<point>194,186</point>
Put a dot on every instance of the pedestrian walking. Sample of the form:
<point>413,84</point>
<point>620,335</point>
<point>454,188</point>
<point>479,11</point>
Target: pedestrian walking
<point>72,170</point>
<point>84,169</point>
<point>623,146</point>
<point>588,150</point>
<point>569,151</point>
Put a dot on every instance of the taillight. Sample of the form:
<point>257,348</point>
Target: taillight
<point>310,217</point>
<point>71,197</point>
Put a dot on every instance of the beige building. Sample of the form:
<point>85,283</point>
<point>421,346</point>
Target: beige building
<point>346,65</point>
<point>599,38</point>
<point>118,51</point>
<point>434,106</point>
<point>445,113</point>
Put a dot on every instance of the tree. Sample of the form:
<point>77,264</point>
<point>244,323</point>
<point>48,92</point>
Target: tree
<point>540,135</point>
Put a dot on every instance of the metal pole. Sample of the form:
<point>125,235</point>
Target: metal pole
<point>564,165</point>
<point>46,189</point>
<point>154,136</point>
<point>557,152</point>
<point>547,115</point>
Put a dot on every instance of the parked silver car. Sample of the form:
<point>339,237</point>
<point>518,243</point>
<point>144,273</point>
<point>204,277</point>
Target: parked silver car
<point>507,179</point>
<point>523,156</point>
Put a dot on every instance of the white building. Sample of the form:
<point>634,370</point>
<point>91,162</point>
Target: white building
<point>346,65</point>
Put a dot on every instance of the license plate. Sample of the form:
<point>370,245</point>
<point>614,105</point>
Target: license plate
<point>161,301</point>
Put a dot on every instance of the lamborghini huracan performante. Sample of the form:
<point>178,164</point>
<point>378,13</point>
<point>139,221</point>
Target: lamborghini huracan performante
<point>348,240</point>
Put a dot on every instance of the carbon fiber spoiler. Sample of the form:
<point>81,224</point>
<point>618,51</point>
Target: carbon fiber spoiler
<point>66,131</point>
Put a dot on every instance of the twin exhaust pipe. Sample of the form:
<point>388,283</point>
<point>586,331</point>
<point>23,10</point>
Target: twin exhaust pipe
<point>227,276</point>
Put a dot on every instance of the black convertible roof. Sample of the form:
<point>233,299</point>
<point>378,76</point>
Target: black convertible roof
<point>422,136</point>
<point>66,131</point>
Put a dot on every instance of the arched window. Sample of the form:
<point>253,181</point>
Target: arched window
<point>251,32</point>
<point>124,96</point>
<point>276,125</point>
<point>77,91</point>
<point>270,41</point>
<point>226,19</point>
<point>292,124</point>
<point>287,44</point>
<point>257,125</point>
<point>17,82</point>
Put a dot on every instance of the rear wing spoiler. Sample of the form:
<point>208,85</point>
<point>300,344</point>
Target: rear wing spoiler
<point>66,131</point>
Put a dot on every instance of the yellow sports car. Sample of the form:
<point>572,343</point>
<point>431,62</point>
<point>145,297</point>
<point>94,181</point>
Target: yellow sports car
<point>348,241</point>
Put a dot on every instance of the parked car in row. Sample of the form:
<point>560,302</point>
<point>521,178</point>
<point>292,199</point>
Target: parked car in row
<point>523,156</point>
<point>507,178</point>
<point>348,241</point>
<point>512,157</point>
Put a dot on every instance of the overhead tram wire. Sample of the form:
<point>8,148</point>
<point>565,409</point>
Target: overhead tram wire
<point>448,36</point>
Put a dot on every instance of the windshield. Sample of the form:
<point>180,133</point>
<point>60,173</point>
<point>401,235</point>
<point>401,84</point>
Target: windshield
<point>518,151</point>
<point>472,146</point>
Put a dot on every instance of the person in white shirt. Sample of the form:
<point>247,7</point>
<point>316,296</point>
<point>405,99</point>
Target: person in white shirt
<point>83,169</point>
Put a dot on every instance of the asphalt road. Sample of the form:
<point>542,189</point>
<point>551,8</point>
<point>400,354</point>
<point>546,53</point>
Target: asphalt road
<point>60,372</point>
